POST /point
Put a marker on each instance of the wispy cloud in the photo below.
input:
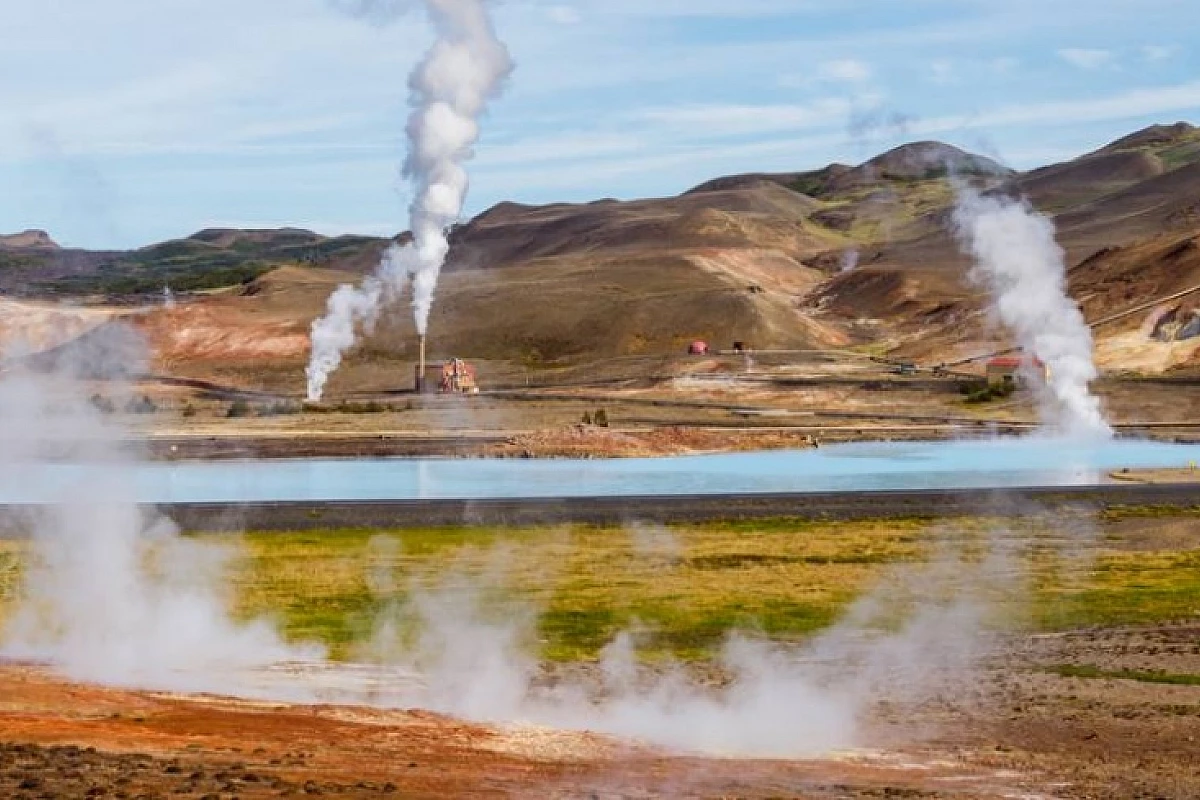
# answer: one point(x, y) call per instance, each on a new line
point(1115, 107)
point(1084, 58)
point(1157, 53)
point(722, 121)
point(942, 72)
point(850, 70)
point(1005, 65)
point(297, 111)
point(564, 15)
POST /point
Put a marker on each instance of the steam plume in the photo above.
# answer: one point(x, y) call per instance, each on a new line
point(111, 592)
point(1021, 264)
point(922, 631)
point(465, 68)
point(849, 260)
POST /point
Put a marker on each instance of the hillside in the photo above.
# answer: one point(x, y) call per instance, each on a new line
point(32, 265)
point(838, 257)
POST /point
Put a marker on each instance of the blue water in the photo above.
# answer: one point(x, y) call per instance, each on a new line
point(1031, 461)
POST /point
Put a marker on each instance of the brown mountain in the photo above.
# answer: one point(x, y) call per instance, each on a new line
point(32, 265)
point(759, 258)
point(27, 239)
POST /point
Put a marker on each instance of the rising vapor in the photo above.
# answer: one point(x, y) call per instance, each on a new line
point(1021, 264)
point(111, 592)
point(450, 89)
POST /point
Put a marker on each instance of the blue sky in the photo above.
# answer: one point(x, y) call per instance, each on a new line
point(130, 121)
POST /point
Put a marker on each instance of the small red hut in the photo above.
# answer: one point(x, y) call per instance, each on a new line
point(1004, 370)
point(698, 348)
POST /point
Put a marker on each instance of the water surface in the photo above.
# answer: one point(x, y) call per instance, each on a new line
point(1033, 461)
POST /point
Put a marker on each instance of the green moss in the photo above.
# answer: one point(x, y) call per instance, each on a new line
point(784, 578)
point(1141, 676)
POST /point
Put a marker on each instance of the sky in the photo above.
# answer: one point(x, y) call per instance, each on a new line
point(126, 122)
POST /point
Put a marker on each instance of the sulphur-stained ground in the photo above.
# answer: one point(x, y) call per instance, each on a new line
point(1036, 724)
point(1088, 689)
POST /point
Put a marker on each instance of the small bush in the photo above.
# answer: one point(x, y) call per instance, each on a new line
point(989, 393)
point(102, 404)
point(279, 409)
point(587, 418)
point(188, 411)
point(141, 405)
point(600, 418)
point(238, 408)
point(371, 407)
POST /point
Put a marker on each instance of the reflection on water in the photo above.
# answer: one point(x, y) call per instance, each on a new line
point(1034, 461)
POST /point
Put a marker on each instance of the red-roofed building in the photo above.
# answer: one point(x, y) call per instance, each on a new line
point(1012, 369)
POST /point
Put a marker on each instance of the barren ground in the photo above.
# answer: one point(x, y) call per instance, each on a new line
point(1096, 695)
point(1029, 729)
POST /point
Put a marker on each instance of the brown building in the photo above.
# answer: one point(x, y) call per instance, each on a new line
point(448, 377)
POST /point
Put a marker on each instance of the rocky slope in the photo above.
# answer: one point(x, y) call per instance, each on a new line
point(831, 258)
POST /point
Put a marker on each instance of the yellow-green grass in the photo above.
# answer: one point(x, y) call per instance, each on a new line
point(690, 585)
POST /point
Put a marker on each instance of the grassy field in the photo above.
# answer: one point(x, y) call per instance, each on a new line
point(688, 586)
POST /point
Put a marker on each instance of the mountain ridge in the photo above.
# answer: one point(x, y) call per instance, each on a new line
point(838, 257)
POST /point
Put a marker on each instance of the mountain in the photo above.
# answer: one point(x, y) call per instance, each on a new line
point(842, 256)
point(32, 265)
point(27, 239)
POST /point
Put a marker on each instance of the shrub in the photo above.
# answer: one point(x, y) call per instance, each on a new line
point(102, 404)
point(279, 409)
point(238, 408)
point(141, 405)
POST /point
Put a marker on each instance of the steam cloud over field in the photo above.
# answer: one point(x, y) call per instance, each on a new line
point(112, 593)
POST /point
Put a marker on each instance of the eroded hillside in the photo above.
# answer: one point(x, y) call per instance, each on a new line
point(841, 257)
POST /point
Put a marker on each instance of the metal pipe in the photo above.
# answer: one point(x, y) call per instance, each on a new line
point(421, 365)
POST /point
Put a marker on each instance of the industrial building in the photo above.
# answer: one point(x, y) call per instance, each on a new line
point(1012, 370)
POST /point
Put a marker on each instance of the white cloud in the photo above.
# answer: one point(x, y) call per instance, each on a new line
point(564, 15)
point(1121, 106)
point(718, 121)
point(942, 72)
point(557, 147)
point(1005, 65)
point(1084, 58)
point(1156, 53)
point(297, 112)
point(849, 70)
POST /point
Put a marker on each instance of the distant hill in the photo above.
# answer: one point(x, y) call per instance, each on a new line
point(32, 265)
point(840, 256)
point(31, 238)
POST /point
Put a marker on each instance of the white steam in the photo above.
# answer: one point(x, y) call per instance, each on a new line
point(451, 87)
point(849, 260)
point(111, 593)
point(920, 633)
point(1021, 264)
point(348, 309)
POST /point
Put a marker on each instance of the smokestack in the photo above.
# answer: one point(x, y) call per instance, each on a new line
point(421, 365)
point(466, 67)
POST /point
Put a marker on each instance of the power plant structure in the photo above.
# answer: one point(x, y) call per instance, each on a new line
point(453, 376)
point(1012, 370)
